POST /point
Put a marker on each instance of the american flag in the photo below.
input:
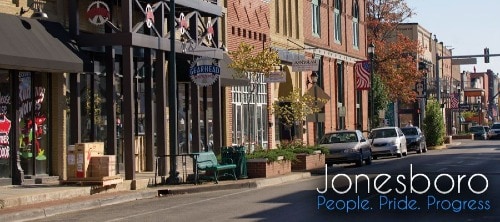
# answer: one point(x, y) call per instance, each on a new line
point(362, 70)
point(454, 100)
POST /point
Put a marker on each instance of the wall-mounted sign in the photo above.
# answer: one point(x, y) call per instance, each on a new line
point(204, 71)
point(275, 77)
point(150, 17)
point(98, 13)
point(305, 65)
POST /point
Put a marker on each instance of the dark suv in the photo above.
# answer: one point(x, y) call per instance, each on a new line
point(415, 139)
point(479, 132)
point(494, 132)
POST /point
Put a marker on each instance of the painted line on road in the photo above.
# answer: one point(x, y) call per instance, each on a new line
point(442, 169)
point(181, 205)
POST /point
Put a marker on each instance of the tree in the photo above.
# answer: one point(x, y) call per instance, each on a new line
point(395, 57)
point(433, 124)
point(294, 108)
point(251, 64)
point(248, 63)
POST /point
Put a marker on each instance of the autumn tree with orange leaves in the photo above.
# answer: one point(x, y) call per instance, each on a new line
point(396, 55)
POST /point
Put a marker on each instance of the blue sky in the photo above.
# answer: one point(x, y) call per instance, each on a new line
point(466, 26)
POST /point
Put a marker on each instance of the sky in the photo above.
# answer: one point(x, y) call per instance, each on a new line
point(466, 26)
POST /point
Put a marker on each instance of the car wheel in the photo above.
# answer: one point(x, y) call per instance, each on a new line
point(374, 157)
point(405, 153)
point(368, 161)
point(399, 155)
point(419, 148)
point(360, 161)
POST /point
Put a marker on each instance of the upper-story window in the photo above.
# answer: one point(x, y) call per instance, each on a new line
point(316, 17)
point(337, 29)
point(355, 24)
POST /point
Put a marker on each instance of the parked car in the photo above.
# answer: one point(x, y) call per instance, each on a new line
point(388, 141)
point(415, 139)
point(479, 132)
point(347, 146)
point(494, 131)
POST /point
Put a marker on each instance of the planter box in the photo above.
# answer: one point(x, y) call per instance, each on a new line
point(464, 136)
point(261, 168)
point(308, 162)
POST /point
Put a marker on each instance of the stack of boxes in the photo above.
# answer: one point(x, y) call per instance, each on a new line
point(87, 160)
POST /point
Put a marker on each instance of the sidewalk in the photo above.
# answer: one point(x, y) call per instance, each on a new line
point(30, 202)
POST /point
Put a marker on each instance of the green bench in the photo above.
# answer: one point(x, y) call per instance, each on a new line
point(207, 161)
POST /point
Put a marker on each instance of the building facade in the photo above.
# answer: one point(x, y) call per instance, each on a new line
point(335, 33)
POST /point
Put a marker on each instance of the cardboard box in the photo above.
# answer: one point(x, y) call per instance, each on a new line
point(71, 165)
point(84, 153)
point(103, 166)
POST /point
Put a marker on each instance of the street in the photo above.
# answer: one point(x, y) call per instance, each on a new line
point(457, 184)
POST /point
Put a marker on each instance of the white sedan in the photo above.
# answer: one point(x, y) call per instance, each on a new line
point(388, 141)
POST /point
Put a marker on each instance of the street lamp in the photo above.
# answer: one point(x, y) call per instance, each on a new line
point(314, 80)
point(371, 53)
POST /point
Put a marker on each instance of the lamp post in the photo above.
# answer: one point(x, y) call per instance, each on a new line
point(459, 90)
point(371, 53)
point(314, 79)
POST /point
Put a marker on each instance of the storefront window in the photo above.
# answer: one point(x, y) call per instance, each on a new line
point(33, 116)
point(5, 124)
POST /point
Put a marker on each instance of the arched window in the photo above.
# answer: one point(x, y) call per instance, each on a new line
point(337, 11)
point(355, 24)
point(316, 17)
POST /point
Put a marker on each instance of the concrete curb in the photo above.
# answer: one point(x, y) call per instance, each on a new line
point(116, 198)
point(42, 212)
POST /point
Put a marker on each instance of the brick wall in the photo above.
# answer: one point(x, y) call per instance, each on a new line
point(258, 168)
point(308, 162)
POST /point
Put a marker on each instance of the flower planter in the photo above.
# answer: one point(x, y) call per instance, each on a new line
point(257, 168)
point(308, 162)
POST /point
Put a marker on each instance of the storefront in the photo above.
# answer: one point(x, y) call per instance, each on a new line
point(32, 52)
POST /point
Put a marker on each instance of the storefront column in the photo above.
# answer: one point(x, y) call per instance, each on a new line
point(217, 117)
point(148, 118)
point(128, 95)
point(111, 103)
point(17, 171)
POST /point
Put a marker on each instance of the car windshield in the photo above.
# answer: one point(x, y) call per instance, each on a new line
point(384, 133)
point(495, 126)
point(344, 137)
point(410, 131)
point(476, 129)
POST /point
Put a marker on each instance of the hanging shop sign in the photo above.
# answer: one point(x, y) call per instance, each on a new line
point(150, 17)
point(204, 71)
point(98, 13)
point(278, 76)
point(305, 65)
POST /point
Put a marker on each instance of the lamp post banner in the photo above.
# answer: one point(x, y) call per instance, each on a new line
point(362, 70)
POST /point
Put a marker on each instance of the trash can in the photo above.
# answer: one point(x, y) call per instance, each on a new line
point(239, 157)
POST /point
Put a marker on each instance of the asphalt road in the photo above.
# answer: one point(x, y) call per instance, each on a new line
point(459, 173)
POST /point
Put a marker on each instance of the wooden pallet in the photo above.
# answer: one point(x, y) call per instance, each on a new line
point(102, 181)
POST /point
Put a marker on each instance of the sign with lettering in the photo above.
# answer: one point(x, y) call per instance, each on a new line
point(204, 71)
point(305, 65)
point(275, 77)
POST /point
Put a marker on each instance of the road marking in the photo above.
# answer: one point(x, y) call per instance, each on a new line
point(442, 169)
point(181, 205)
